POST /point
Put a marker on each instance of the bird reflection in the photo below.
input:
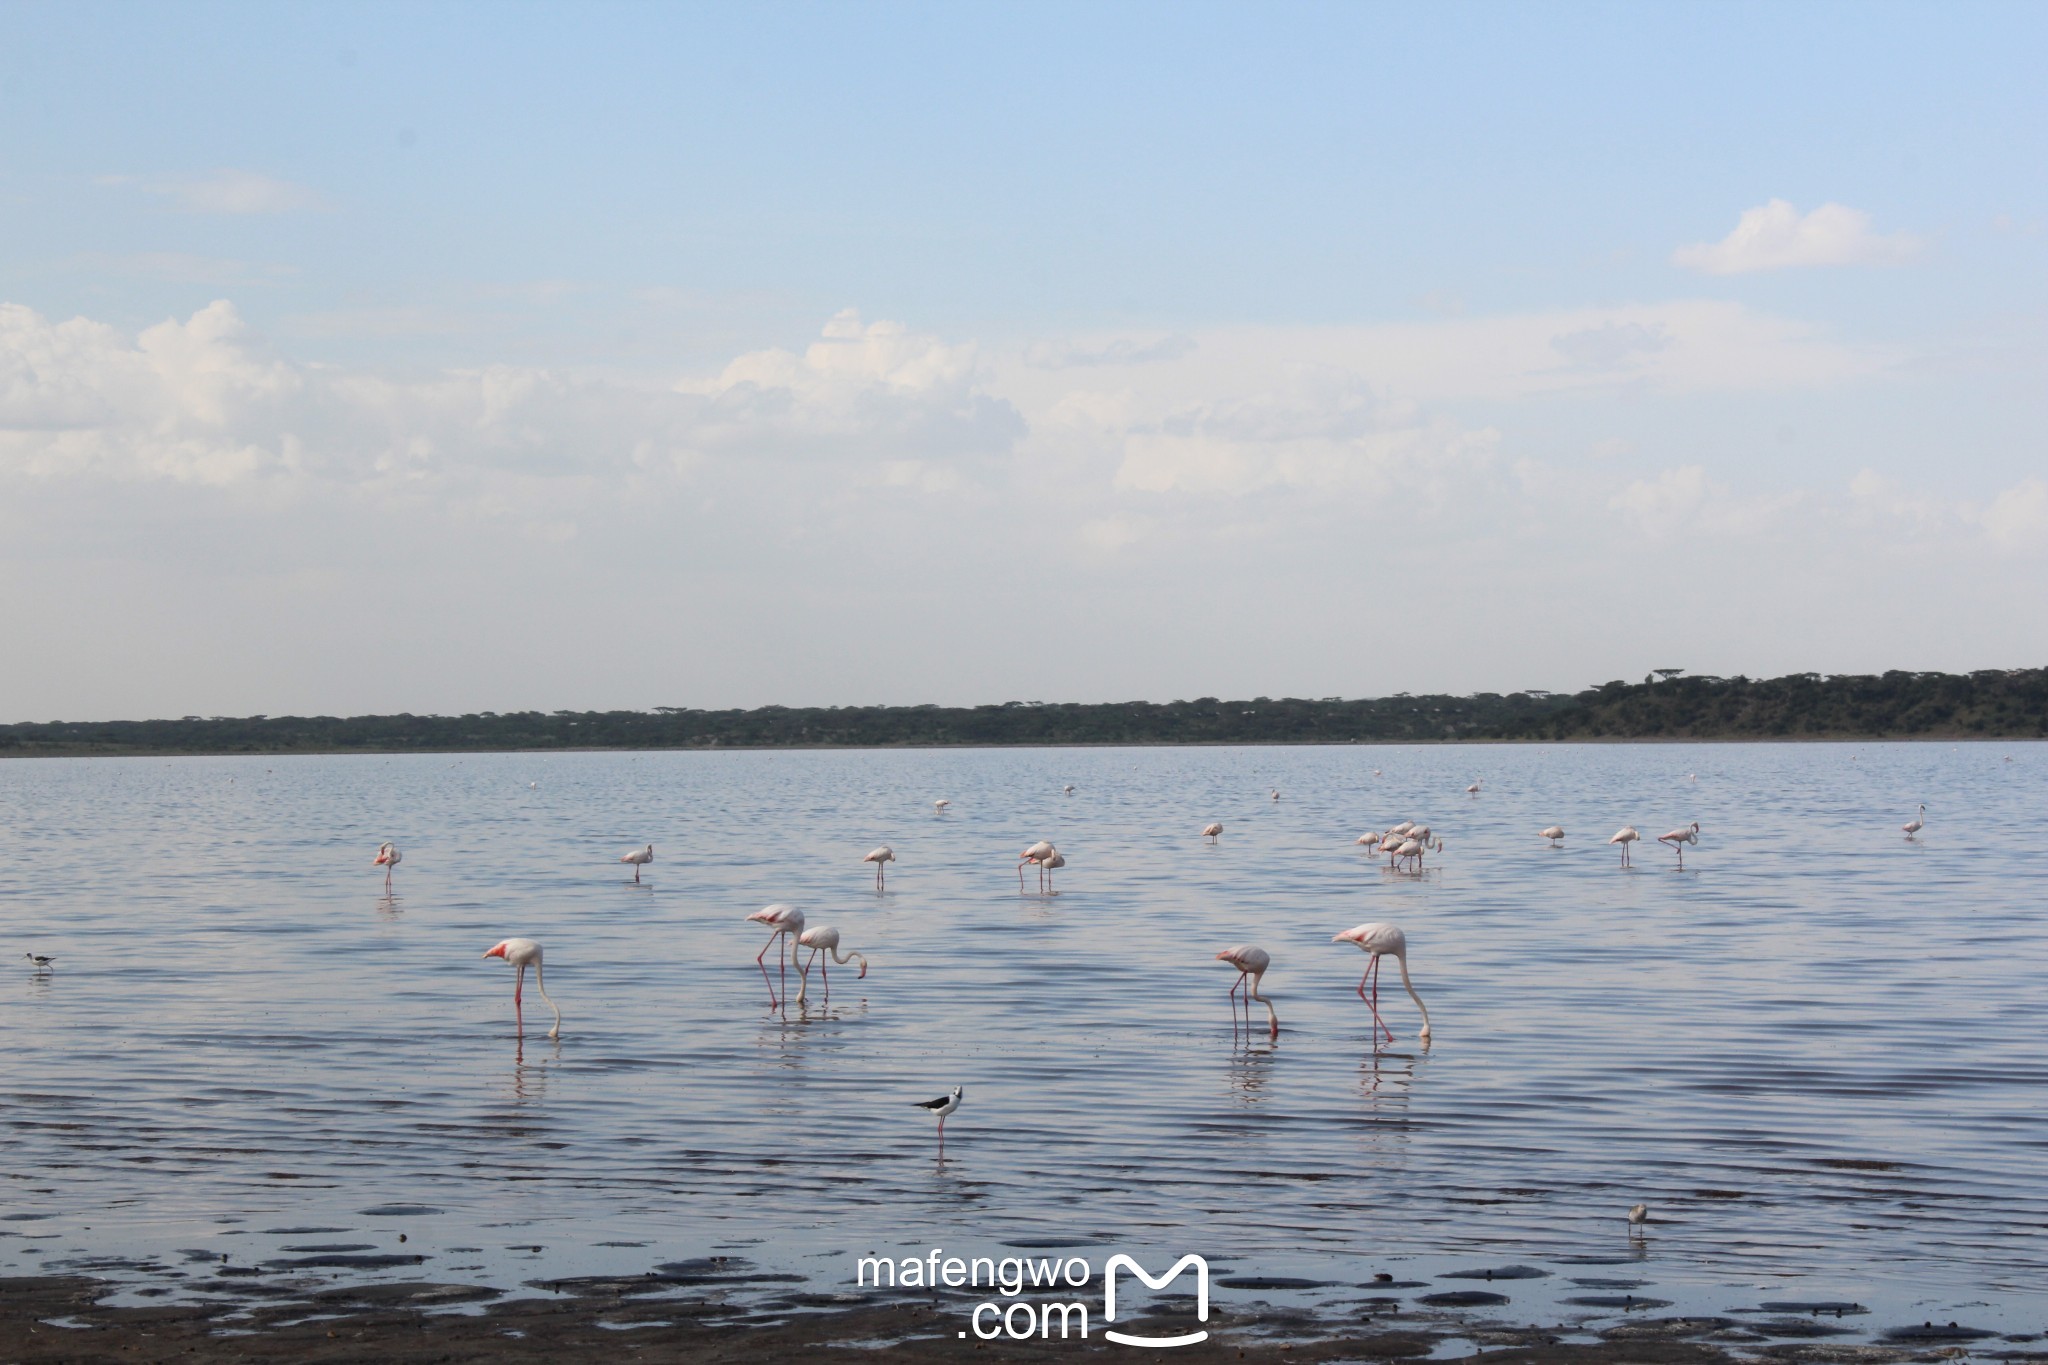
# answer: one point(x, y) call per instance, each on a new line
point(1251, 1059)
point(529, 1080)
point(389, 907)
point(1401, 1068)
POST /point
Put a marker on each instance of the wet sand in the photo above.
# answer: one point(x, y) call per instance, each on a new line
point(60, 1319)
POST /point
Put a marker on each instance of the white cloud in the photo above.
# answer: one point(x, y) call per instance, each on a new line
point(2017, 518)
point(1776, 236)
point(226, 191)
point(1685, 499)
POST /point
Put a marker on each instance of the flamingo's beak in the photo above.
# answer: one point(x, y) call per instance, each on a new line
point(498, 951)
point(1223, 957)
point(863, 972)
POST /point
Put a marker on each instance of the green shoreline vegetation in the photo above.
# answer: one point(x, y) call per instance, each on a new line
point(1667, 705)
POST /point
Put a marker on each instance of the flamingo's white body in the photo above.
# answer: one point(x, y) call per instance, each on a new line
point(782, 920)
point(879, 857)
point(1473, 790)
point(823, 939)
point(1047, 864)
point(1369, 840)
point(1679, 838)
point(639, 858)
point(1625, 836)
point(387, 858)
point(1251, 964)
point(1036, 856)
point(1212, 829)
point(1402, 828)
point(940, 805)
point(1916, 824)
point(519, 952)
point(1067, 790)
point(1554, 834)
point(1383, 940)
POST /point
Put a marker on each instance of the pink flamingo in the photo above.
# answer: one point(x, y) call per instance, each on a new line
point(1212, 829)
point(885, 855)
point(823, 939)
point(1382, 940)
point(639, 858)
point(1047, 864)
point(387, 858)
point(1036, 854)
point(1251, 964)
point(519, 952)
point(784, 920)
point(1679, 838)
point(1625, 836)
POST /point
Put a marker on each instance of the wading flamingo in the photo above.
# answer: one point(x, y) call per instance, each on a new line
point(1047, 864)
point(940, 805)
point(639, 858)
point(1473, 790)
point(1067, 790)
point(1276, 793)
point(1554, 834)
point(1916, 824)
point(1679, 838)
point(879, 857)
point(823, 939)
point(387, 858)
point(1625, 836)
point(519, 952)
point(1382, 940)
point(1251, 964)
point(1369, 840)
point(1036, 854)
point(942, 1106)
point(1212, 829)
point(783, 919)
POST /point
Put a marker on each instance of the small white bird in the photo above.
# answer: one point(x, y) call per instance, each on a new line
point(880, 856)
point(1067, 790)
point(1212, 829)
point(943, 1106)
point(1639, 1215)
point(1473, 790)
point(1625, 836)
point(1916, 824)
point(639, 858)
point(1679, 838)
point(940, 805)
point(1276, 793)
point(40, 962)
point(1554, 833)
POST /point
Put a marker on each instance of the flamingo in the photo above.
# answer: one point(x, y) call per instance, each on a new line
point(1679, 838)
point(1473, 790)
point(1382, 940)
point(1051, 861)
point(823, 939)
point(639, 858)
point(879, 858)
point(1916, 824)
point(1554, 833)
point(942, 1106)
point(387, 858)
point(1067, 790)
point(1276, 793)
point(1402, 828)
point(940, 805)
point(519, 952)
point(1625, 836)
point(1368, 840)
point(1037, 854)
point(1212, 829)
point(1251, 964)
point(783, 919)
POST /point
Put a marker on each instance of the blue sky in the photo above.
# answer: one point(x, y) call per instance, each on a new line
point(633, 355)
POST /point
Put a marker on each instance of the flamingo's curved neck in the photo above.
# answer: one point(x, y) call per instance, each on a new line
point(541, 985)
point(1272, 1015)
point(1402, 963)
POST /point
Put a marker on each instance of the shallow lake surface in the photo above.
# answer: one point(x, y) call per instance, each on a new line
point(1816, 1053)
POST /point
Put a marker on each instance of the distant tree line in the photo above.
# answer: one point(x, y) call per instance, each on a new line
point(1666, 705)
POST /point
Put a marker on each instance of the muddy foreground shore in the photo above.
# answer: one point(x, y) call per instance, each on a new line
point(61, 1319)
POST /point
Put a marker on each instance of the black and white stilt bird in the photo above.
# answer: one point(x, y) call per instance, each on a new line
point(41, 963)
point(942, 1106)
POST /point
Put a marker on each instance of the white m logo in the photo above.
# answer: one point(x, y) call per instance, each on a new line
point(1201, 1297)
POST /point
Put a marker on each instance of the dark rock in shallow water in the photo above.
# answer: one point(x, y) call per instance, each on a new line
point(1270, 1282)
point(1463, 1298)
point(1934, 1331)
point(1799, 1327)
point(399, 1211)
point(1835, 1306)
point(1627, 1302)
point(1505, 1272)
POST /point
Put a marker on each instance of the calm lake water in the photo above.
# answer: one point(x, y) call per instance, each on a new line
point(1817, 1053)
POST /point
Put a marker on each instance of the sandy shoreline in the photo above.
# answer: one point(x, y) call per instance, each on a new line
point(60, 1319)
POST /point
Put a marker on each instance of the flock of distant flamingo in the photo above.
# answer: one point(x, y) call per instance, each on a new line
point(1404, 844)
